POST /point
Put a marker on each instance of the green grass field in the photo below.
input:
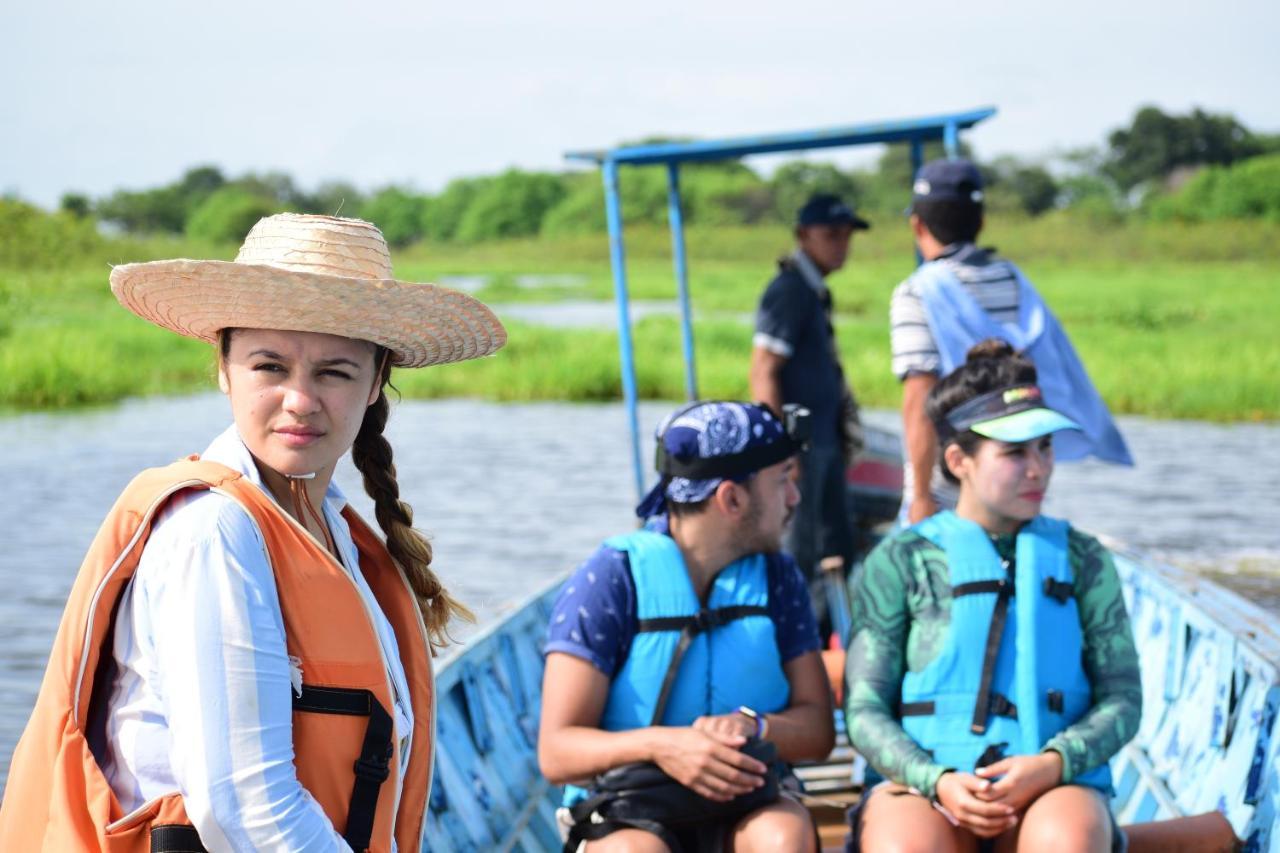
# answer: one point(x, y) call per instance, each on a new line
point(1172, 320)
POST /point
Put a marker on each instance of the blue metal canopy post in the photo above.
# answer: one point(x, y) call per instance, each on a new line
point(676, 219)
point(917, 160)
point(618, 259)
point(917, 156)
point(951, 140)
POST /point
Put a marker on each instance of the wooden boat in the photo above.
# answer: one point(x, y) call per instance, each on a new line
point(1208, 742)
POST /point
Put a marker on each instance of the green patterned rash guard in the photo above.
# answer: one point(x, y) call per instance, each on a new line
point(901, 616)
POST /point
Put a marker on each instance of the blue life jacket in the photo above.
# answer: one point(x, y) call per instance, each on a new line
point(958, 322)
point(734, 664)
point(970, 712)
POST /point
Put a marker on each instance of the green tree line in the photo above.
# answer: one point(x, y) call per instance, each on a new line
point(1189, 167)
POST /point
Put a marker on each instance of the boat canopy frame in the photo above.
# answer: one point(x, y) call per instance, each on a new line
point(914, 131)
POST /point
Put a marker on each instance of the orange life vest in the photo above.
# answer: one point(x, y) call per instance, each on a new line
point(57, 798)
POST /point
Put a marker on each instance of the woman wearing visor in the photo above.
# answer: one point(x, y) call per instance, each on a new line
point(992, 672)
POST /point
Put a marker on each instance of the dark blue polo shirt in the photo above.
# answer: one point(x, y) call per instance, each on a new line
point(793, 322)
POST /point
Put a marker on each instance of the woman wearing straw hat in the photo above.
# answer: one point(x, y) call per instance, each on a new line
point(243, 663)
point(992, 672)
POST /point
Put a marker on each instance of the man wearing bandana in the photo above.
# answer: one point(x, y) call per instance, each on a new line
point(703, 584)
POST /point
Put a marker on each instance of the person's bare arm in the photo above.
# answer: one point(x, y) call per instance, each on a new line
point(572, 747)
point(766, 378)
point(804, 730)
point(921, 443)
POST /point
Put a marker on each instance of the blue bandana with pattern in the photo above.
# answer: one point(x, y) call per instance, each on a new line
point(705, 431)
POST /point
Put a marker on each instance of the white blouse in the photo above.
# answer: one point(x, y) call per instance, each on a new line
point(201, 699)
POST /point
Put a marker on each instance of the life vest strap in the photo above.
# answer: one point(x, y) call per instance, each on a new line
point(689, 627)
point(995, 633)
point(999, 587)
point(334, 700)
point(999, 706)
point(703, 620)
point(373, 767)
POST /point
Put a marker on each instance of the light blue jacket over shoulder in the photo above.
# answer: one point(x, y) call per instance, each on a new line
point(958, 322)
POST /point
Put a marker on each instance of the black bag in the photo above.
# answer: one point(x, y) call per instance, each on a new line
point(642, 796)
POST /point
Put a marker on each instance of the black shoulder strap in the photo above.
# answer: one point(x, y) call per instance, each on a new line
point(372, 767)
point(1004, 591)
point(690, 627)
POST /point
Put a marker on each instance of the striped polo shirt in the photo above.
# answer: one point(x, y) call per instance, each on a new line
point(991, 281)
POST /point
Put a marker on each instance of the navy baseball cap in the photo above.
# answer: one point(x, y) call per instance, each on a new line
point(948, 180)
point(828, 209)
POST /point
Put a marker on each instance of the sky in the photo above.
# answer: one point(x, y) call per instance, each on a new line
point(95, 97)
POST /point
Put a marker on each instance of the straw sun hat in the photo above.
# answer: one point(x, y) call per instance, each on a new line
point(312, 274)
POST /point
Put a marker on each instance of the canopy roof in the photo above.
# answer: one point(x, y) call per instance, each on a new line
point(902, 130)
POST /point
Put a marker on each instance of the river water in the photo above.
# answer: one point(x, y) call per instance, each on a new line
point(513, 495)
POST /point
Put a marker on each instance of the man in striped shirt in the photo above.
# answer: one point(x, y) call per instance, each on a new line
point(946, 216)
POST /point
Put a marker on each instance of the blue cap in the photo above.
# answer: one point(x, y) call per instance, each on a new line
point(712, 442)
point(828, 209)
point(948, 180)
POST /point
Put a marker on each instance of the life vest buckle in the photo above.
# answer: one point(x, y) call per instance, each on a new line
point(1059, 591)
point(993, 753)
point(375, 768)
point(1002, 707)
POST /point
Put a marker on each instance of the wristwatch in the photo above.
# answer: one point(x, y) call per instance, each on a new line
point(762, 724)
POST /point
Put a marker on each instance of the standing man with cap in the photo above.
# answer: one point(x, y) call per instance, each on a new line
point(963, 294)
point(794, 359)
point(691, 645)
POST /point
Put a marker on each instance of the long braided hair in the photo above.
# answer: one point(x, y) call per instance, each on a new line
point(371, 454)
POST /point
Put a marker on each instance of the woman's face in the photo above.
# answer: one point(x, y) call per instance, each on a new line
point(1002, 484)
point(298, 398)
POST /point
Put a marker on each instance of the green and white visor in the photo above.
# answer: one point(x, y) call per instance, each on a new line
point(1013, 414)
